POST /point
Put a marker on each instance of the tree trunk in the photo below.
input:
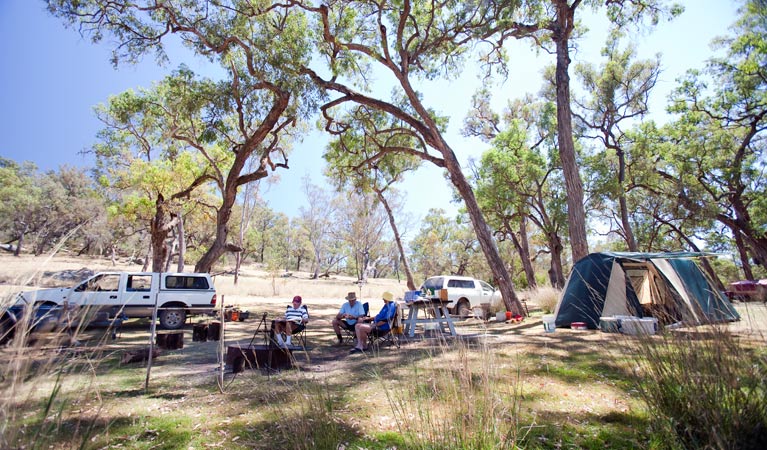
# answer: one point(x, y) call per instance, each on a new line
point(556, 271)
point(181, 244)
point(628, 232)
point(23, 232)
point(484, 236)
point(576, 215)
point(159, 228)
point(743, 254)
point(398, 240)
point(523, 248)
point(218, 247)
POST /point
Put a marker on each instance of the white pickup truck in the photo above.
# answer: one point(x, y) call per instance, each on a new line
point(128, 295)
point(463, 293)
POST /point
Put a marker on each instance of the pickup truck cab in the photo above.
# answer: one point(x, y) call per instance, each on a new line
point(126, 295)
point(463, 293)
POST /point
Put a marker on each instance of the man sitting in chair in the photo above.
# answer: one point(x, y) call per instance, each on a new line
point(348, 315)
point(295, 316)
point(380, 323)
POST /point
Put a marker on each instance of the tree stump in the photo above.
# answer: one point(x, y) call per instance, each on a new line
point(170, 340)
point(200, 332)
point(214, 330)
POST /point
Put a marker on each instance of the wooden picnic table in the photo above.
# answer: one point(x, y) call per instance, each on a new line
point(418, 314)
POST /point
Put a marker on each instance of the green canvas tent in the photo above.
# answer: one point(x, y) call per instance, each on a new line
point(668, 286)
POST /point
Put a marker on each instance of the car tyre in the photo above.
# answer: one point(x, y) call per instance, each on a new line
point(462, 309)
point(172, 318)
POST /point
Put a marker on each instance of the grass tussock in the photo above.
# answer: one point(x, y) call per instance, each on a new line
point(545, 298)
point(458, 398)
point(703, 389)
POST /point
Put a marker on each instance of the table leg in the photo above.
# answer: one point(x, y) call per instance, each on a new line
point(446, 319)
point(412, 315)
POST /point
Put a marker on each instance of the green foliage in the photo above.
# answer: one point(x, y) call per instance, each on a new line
point(446, 246)
point(41, 210)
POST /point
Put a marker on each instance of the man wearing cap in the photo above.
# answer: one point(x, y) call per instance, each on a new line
point(348, 315)
point(295, 316)
point(379, 322)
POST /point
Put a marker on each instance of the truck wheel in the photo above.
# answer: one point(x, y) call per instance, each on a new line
point(462, 309)
point(173, 318)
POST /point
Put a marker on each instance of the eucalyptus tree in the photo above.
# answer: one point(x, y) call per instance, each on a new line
point(71, 205)
point(517, 179)
point(259, 100)
point(408, 42)
point(618, 93)
point(552, 26)
point(21, 205)
point(360, 222)
point(364, 158)
point(316, 220)
point(716, 161)
point(431, 252)
point(153, 177)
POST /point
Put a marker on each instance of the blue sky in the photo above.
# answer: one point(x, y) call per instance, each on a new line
point(51, 78)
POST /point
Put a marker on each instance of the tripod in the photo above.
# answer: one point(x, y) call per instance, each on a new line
point(264, 328)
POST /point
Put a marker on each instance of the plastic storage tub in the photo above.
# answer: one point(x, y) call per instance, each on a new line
point(609, 324)
point(637, 326)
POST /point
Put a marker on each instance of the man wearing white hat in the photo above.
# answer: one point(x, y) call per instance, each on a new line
point(379, 322)
point(348, 315)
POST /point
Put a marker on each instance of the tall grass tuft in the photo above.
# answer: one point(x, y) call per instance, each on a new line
point(459, 399)
point(42, 375)
point(306, 415)
point(704, 389)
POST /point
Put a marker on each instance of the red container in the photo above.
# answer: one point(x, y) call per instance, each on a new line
point(578, 326)
point(508, 315)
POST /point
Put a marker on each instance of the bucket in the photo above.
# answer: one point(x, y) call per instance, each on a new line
point(549, 323)
point(235, 315)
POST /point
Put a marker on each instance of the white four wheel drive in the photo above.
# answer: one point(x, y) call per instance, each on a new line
point(134, 295)
point(463, 293)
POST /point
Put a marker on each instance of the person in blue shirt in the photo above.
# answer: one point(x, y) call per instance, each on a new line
point(380, 322)
point(348, 315)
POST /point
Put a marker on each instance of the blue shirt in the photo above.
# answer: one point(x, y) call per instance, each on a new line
point(386, 314)
point(357, 311)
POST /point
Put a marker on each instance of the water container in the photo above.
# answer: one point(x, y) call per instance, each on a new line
point(549, 323)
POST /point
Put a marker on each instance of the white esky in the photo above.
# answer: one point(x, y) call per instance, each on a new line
point(51, 78)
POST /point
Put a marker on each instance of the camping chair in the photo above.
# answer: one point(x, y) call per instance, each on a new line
point(349, 333)
point(390, 336)
point(300, 332)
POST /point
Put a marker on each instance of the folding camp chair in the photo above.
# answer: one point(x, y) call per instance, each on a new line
point(349, 334)
point(300, 332)
point(390, 336)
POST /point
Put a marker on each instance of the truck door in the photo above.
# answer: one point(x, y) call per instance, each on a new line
point(137, 300)
point(487, 291)
point(97, 293)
